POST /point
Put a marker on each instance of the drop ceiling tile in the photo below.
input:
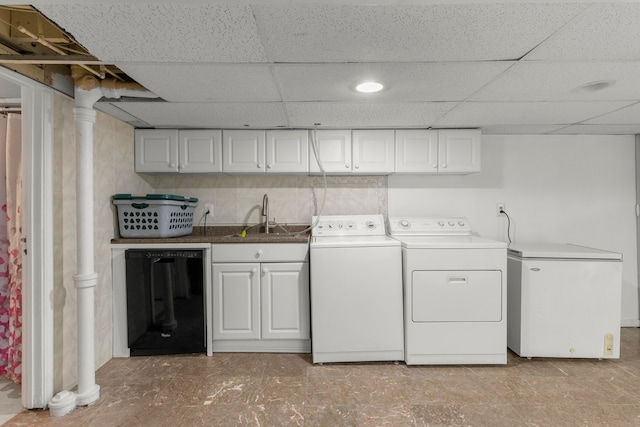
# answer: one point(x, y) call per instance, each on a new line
point(114, 110)
point(365, 114)
point(451, 81)
point(557, 81)
point(206, 82)
point(165, 114)
point(520, 129)
point(161, 32)
point(604, 31)
point(599, 130)
point(624, 116)
point(479, 114)
point(441, 32)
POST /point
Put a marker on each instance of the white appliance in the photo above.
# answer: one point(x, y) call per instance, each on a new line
point(564, 301)
point(454, 292)
point(356, 290)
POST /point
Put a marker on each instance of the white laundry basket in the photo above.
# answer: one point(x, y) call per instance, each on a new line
point(155, 215)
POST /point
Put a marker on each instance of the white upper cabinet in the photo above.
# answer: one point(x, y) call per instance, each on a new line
point(459, 151)
point(199, 151)
point(287, 151)
point(358, 151)
point(156, 150)
point(334, 149)
point(273, 151)
point(184, 151)
point(373, 151)
point(437, 151)
point(416, 151)
point(243, 151)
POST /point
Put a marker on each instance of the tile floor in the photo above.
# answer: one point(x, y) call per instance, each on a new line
point(242, 389)
point(10, 400)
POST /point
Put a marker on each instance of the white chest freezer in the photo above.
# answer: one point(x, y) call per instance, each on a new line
point(563, 301)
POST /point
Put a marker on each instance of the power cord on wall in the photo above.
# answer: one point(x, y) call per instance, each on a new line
point(204, 216)
point(316, 152)
point(502, 211)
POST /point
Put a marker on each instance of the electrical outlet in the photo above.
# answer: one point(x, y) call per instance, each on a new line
point(499, 208)
point(209, 208)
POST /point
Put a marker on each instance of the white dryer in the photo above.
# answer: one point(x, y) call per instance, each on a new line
point(454, 292)
point(356, 290)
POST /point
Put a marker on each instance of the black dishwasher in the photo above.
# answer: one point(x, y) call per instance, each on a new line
point(165, 301)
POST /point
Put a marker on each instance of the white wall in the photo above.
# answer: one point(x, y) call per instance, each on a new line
point(565, 188)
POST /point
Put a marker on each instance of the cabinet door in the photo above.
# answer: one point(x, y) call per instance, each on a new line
point(285, 301)
point(200, 151)
point(156, 150)
point(243, 151)
point(287, 151)
point(373, 151)
point(334, 149)
point(416, 151)
point(236, 301)
point(459, 151)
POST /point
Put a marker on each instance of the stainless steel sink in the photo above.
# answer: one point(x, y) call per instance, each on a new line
point(264, 235)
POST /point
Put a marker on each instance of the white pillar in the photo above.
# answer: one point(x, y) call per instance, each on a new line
point(88, 91)
point(86, 279)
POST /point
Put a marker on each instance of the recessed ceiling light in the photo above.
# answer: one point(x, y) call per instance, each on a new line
point(369, 87)
point(594, 86)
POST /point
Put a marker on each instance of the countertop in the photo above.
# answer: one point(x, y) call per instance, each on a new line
point(228, 234)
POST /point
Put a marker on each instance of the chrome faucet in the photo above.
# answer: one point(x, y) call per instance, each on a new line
point(265, 212)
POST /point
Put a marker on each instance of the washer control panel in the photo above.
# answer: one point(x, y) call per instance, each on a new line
point(419, 226)
point(348, 225)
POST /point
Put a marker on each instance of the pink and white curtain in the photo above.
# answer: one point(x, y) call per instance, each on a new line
point(10, 247)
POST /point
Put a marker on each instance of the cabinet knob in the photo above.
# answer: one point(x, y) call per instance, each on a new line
point(434, 165)
point(259, 253)
point(254, 271)
point(269, 166)
point(172, 165)
point(346, 166)
point(180, 167)
point(259, 166)
point(265, 270)
point(444, 165)
point(357, 167)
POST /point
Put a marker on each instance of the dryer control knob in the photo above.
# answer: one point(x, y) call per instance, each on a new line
point(403, 223)
point(370, 225)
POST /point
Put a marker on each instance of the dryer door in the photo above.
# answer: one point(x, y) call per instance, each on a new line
point(456, 296)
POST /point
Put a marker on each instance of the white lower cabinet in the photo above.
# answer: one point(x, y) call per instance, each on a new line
point(260, 306)
point(236, 301)
point(284, 292)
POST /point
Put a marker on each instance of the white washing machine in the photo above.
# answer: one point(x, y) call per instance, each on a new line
point(564, 301)
point(356, 290)
point(454, 292)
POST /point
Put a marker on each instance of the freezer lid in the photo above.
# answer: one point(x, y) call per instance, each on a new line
point(560, 251)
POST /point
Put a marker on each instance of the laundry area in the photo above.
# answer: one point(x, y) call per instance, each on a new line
point(329, 213)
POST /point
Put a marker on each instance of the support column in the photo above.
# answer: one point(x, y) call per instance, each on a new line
point(86, 279)
point(88, 91)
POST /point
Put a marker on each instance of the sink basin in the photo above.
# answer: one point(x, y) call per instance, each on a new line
point(264, 235)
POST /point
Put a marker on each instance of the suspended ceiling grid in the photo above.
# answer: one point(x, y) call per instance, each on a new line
point(503, 67)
